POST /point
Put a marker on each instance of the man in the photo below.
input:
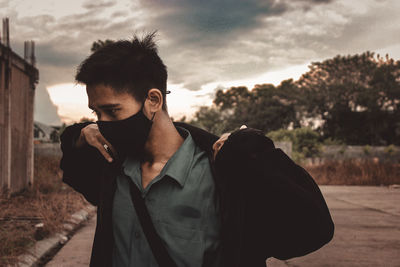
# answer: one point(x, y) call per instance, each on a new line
point(183, 174)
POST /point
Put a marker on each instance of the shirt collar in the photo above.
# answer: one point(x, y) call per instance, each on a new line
point(177, 167)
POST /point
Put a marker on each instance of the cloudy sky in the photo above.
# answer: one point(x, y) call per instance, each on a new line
point(205, 44)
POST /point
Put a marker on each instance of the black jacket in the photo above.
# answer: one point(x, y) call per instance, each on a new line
point(270, 206)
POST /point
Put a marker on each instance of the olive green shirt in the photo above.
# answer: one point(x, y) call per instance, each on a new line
point(180, 201)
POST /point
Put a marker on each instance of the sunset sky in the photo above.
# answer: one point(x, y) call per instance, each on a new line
point(206, 45)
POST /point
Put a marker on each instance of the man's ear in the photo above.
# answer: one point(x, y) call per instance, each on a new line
point(154, 101)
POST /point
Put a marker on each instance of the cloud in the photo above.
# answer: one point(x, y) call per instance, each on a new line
point(213, 41)
point(4, 3)
point(45, 111)
point(201, 41)
point(371, 29)
point(199, 34)
point(195, 22)
point(312, 2)
point(117, 14)
point(63, 42)
point(217, 40)
point(231, 40)
point(49, 54)
point(99, 4)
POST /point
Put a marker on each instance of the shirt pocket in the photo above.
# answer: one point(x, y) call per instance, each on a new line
point(185, 245)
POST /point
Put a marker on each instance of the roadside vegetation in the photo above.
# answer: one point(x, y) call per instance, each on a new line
point(48, 201)
point(308, 144)
point(355, 172)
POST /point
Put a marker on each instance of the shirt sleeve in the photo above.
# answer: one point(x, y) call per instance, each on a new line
point(80, 165)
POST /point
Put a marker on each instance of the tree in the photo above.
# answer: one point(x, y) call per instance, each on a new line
point(265, 107)
point(210, 119)
point(305, 141)
point(357, 97)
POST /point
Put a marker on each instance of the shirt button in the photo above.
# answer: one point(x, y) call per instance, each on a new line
point(137, 234)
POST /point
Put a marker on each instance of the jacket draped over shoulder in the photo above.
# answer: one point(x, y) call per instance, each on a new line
point(277, 207)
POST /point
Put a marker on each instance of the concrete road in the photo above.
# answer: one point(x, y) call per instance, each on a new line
point(367, 229)
point(367, 233)
point(76, 253)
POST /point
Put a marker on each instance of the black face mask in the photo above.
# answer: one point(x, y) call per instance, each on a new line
point(127, 136)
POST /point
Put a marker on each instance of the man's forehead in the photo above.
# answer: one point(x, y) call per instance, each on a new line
point(99, 96)
point(102, 96)
point(100, 88)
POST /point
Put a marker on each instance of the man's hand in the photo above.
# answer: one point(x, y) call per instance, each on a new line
point(91, 135)
point(220, 142)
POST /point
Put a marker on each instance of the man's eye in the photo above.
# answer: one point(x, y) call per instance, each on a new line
point(112, 111)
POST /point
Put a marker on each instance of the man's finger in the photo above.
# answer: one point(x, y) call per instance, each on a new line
point(110, 149)
point(103, 151)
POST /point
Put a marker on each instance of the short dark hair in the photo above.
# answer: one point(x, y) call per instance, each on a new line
point(131, 66)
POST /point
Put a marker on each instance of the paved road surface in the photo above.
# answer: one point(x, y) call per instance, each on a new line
point(76, 253)
point(367, 221)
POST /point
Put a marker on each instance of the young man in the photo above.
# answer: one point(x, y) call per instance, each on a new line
point(191, 191)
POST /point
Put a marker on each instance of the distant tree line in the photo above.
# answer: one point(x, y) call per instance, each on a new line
point(350, 99)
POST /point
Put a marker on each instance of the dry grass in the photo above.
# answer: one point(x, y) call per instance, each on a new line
point(356, 172)
point(48, 201)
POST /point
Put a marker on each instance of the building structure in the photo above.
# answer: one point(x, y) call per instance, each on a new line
point(18, 77)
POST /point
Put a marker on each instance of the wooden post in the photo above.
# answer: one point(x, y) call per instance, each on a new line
point(32, 54)
point(7, 118)
point(6, 32)
point(26, 50)
point(29, 52)
point(30, 106)
point(7, 103)
point(3, 156)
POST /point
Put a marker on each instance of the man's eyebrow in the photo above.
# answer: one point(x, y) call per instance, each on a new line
point(106, 106)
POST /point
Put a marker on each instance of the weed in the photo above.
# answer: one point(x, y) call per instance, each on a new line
point(390, 150)
point(367, 149)
point(355, 172)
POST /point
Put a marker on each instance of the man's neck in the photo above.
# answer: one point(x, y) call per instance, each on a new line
point(164, 140)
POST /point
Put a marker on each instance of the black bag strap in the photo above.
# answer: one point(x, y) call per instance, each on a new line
point(157, 247)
